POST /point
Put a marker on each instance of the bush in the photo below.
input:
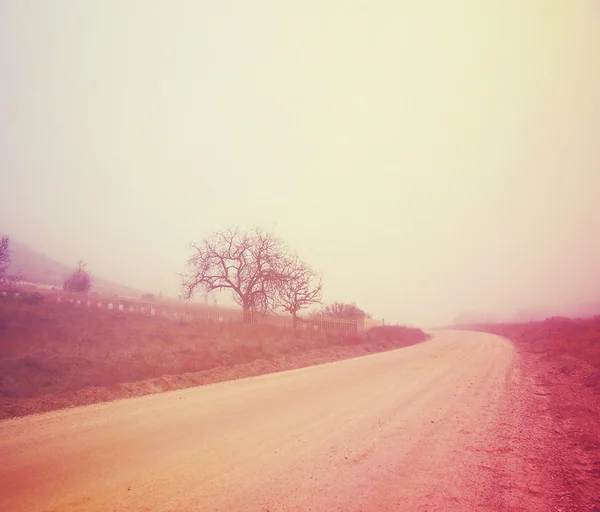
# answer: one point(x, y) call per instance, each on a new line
point(397, 333)
point(79, 281)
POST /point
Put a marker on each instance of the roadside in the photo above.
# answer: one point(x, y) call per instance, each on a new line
point(57, 356)
point(550, 420)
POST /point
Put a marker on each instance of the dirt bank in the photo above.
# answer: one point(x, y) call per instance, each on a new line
point(554, 436)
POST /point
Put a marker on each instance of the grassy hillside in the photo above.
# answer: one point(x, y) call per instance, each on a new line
point(38, 268)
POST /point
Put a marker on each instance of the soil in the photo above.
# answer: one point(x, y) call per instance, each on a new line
point(550, 421)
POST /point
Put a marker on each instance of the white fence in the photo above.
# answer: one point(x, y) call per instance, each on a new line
point(202, 312)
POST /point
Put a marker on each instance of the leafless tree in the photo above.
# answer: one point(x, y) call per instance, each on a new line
point(80, 279)
point(344, 310)
point(301, 287)
point(250, 264)
point(4, 254)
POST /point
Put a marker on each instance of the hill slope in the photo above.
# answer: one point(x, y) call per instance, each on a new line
point(38, 268)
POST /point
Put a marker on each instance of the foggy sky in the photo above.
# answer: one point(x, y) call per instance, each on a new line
point(427, 157)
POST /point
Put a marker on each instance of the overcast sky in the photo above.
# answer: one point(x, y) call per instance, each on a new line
point(429, 157)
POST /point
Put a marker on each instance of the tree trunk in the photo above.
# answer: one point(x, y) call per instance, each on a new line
point(247, 315)
point(295, 321)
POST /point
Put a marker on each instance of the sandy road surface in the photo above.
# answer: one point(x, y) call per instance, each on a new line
point(400, 430)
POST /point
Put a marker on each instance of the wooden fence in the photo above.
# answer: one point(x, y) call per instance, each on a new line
point(201, 312)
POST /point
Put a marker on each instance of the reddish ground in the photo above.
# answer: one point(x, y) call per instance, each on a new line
point(559, 360)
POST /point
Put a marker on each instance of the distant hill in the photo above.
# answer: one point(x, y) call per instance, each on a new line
point(38, 268)
point(584, 310)
point(578, 310)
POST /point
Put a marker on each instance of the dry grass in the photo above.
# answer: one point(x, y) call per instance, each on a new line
point(579, 337)
point(563, 358)
point(558, 339)
point(52, 348)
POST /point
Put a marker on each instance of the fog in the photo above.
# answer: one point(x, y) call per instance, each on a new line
point(429, 158)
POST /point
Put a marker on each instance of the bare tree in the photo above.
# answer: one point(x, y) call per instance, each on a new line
point(344, 310)
point(80, 279)
point(250, 264)
point(301, 287)
point(4, 254)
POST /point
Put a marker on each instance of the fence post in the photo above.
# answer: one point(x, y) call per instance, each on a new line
point(360, 325)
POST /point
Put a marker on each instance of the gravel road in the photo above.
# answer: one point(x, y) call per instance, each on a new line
point(407, 430)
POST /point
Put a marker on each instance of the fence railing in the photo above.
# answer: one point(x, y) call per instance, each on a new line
point(218, 314)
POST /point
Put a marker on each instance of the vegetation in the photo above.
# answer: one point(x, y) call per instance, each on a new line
point(12, 281)
point(49, 348)
point(80, 280)
point(343, 310)
point(556, 338)
point(4, 255)
point(258, 269)
point(300, 288)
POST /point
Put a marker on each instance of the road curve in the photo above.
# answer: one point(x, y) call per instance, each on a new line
point(400, 430)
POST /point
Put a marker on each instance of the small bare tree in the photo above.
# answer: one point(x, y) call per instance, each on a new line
point(300, 288)
point(80, 280)
point(4, 254)
point(250, 264)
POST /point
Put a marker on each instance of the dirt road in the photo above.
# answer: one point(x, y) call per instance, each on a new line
point(411, 429)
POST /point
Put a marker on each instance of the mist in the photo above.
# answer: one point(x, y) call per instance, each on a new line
point(429, 158)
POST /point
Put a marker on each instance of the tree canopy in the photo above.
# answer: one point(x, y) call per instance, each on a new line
point(300, 288)
point(343, 310)
point(250, 264)
point(258, 268)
